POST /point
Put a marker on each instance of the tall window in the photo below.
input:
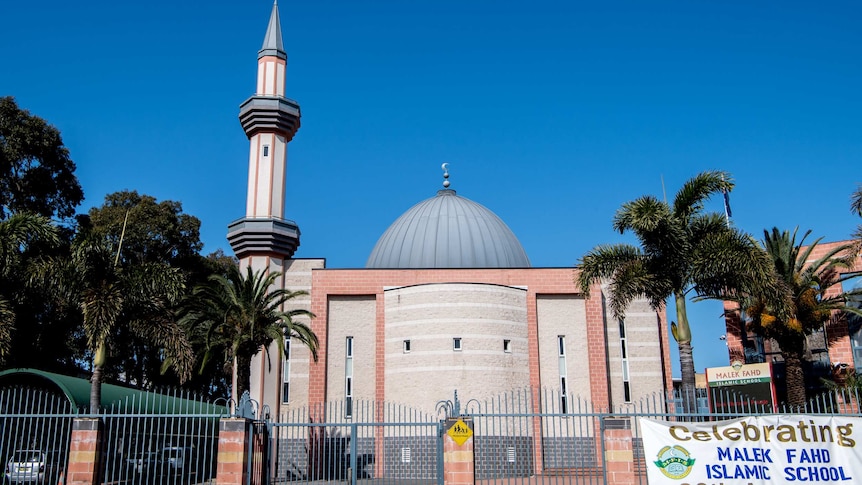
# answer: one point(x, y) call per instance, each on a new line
point(564, 384)
point(456, 344)
point(266, 150)
point(285, 373)
point(624, 353)
point(348, 377)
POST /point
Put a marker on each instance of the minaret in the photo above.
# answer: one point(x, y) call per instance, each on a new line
point(264, 239)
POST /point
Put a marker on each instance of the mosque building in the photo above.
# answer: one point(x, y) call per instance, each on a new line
point(447, 300)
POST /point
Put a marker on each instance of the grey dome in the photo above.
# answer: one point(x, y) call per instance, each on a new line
point(448, 231)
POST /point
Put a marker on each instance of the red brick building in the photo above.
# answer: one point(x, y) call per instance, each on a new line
point(837, 346)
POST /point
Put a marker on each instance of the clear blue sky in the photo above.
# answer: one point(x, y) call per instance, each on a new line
point(551, 114)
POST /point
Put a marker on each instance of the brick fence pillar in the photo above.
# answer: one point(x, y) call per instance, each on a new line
point(84, 452)
point(619, 453)
point(233, 438)
point(458, 460)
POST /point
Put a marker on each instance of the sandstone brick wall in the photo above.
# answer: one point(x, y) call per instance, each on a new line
point(430, 316)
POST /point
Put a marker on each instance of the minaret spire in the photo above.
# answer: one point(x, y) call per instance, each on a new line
point(272, 44)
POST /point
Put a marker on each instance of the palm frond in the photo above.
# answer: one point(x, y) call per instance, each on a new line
point(635, 280)
point(303, 333)
point(695, 191)
point(146, 283)
point(856, 201)
point(706, 224)
point(7, 325)
point(19, 231)
point(726, 261)
point(602, 262)
point(643, 214)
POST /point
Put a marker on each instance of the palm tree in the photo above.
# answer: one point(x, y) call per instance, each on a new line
point(809, 285)
point(16, 235)
point(682, 251)
point(236, 315)
point(856, 207)
point(111, 294)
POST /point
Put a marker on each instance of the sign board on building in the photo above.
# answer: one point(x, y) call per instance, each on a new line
point(740, 385)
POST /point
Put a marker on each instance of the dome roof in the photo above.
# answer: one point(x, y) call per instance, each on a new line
point(448, 231)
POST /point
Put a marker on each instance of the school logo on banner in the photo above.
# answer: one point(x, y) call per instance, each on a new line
point(674, 462)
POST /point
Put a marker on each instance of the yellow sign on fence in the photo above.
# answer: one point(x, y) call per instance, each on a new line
point(460, 432)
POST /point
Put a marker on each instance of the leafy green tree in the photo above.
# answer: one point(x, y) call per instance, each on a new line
point(812, 286)
point(36, 174)
point(37, 178)
point(151, 230)
point(683, 251)
point(17, 233)
point(237, 314)
point(112, 296)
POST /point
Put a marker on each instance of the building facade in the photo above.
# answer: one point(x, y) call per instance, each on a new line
point(830, 352)
point(447, 300)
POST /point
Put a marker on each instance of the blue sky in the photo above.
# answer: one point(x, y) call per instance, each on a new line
point(551, 114)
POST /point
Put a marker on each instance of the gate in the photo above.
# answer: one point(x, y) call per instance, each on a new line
point(528, 437)
point(359, 442)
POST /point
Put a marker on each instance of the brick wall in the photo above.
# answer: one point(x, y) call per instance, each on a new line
point(328, 283)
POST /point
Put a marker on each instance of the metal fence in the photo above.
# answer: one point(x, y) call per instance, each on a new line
point(164, 438)
point(523, 437)
point(35, 428)
point(147, 438)
point(358, 442)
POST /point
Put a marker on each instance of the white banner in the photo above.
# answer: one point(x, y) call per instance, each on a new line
point(797, 449)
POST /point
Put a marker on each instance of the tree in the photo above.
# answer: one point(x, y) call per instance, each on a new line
point(812, 286)
point(112, 296)
point(152, 232)
point(17, 234)
point(682, 251)
point(36, 173)
point(237, 314)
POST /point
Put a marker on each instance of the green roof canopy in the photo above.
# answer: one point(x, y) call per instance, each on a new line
point(124, 399)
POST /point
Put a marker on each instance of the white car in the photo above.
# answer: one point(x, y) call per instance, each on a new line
point(32, 466)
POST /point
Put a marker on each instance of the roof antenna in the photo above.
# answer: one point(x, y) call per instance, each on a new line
point(445, 168)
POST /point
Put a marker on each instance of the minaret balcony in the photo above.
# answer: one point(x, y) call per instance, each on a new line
point(263, 235)
point(272, 114)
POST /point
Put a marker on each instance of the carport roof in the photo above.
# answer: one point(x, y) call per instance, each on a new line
point(77, 391)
